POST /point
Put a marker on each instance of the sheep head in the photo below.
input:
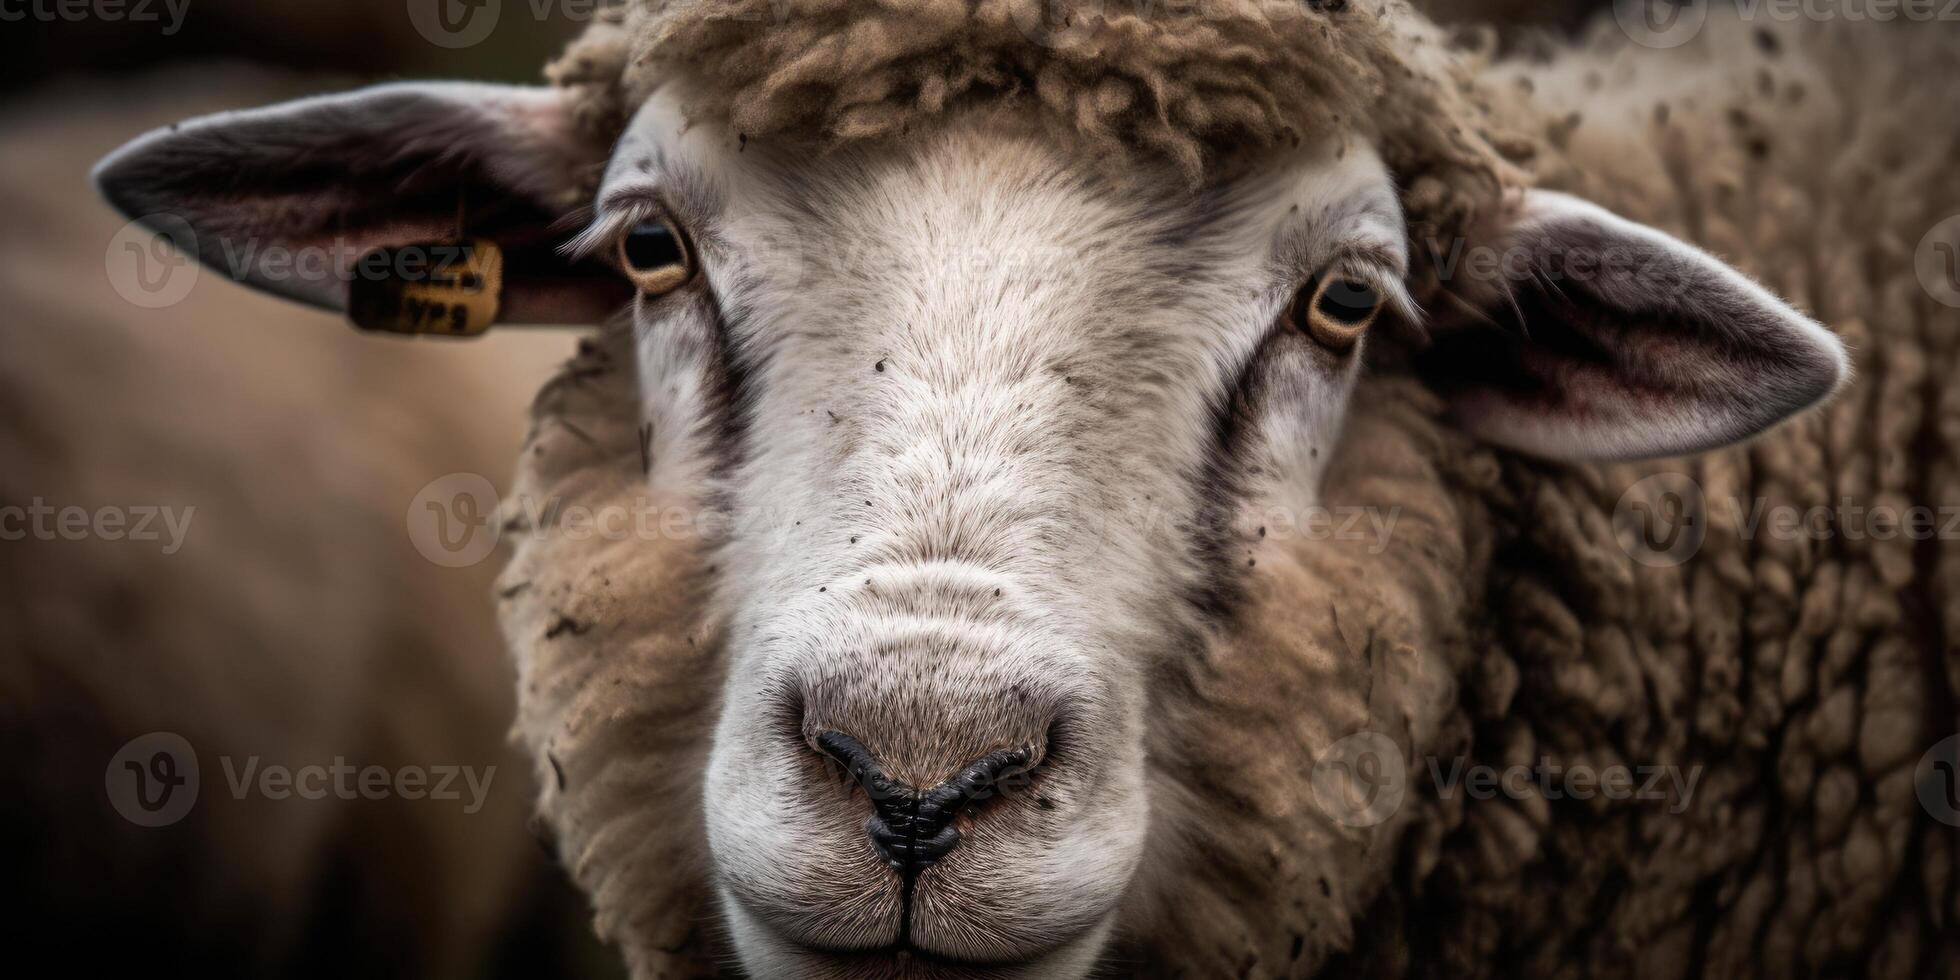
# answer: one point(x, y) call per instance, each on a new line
point(1006, 577)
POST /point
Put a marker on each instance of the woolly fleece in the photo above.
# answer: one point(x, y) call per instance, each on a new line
point(1503, 623)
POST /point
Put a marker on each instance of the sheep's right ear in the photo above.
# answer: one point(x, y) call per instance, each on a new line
point(292, 198)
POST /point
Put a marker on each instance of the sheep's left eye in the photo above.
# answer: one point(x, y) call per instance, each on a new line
point(657, 258)
point(1335, 312)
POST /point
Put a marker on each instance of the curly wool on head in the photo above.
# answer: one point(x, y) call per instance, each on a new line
point(1208, 86)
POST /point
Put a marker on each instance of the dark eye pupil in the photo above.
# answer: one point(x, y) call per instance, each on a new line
point(653, 246)
point(1346, 301)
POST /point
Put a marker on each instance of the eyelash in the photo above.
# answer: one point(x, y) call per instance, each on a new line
point(620, 212)
point(612, 238)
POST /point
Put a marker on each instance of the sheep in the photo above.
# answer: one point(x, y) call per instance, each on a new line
point(883, 612)
point(280, 613)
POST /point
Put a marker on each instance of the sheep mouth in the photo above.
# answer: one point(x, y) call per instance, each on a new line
point(899, 959)
point(905, 961)
point(905, 950)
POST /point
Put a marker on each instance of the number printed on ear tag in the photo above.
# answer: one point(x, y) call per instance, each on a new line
point(450, 289)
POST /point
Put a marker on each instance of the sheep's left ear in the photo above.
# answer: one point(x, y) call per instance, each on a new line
point(292, 198)
point(1577, 334)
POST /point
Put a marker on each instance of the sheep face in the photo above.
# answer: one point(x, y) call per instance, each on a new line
point(992, 432)
point(973, 415)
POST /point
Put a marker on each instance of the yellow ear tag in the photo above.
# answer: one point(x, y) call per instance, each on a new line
point(450, 289)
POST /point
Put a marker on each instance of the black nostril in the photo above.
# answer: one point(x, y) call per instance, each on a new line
point(912, 830)
point(863, 769)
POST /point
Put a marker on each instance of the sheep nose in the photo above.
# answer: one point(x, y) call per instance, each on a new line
point(910, 828)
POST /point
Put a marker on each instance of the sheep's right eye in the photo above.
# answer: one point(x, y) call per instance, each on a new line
point(656, 257)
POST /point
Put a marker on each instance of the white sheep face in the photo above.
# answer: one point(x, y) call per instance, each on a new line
point(988, 414)
point(984, 406)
